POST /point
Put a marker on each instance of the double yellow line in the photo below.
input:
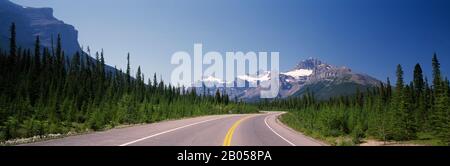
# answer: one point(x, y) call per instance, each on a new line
point(229, 136)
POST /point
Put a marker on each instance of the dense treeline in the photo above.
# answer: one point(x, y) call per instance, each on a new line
point(403, 112)
point(43, 92)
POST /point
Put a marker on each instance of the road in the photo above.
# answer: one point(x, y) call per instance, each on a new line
point(219, 130)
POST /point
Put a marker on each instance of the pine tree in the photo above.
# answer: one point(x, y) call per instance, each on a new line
point(444, 131)
point(97, 63)
point(12, 42)
point(37, 53)
point(128, 70)
point(218, 96)
point(102, 63)
point(437, 79)
point(428, 101)
point(139, 74)
point(155, 81)
point(418, 80)
point(382, 92)
point(402, 125)
point(139, 84)
point(59, 50)
point(418, 101)
point(440, 117)
point(400, 83)
point(388, 89)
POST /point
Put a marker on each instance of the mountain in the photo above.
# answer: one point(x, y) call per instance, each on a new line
point(31, 22)
point(322, 79)
point(328, 81)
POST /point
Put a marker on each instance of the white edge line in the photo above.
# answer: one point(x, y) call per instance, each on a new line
point(265, 121)
point(168, 131)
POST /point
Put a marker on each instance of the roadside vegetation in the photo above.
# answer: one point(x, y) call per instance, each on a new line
point(42, 92)
point(414, 113)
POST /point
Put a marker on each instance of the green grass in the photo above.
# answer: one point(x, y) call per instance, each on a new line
point(426, 139)
point(291, 120)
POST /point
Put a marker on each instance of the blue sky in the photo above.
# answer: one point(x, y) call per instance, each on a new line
point(369, 36)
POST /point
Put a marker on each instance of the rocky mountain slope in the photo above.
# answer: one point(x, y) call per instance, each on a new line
point(322, 79)
point(31, 22)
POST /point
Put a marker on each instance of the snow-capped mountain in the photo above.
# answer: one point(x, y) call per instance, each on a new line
point(299, 73)
point(322, 79)
point(265, 76)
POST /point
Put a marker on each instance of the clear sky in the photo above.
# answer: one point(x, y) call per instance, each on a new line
point(369, 36)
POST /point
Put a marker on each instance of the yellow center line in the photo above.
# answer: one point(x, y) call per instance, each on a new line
point(229, 136)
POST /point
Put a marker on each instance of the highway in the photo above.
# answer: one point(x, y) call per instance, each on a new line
point(262, 129)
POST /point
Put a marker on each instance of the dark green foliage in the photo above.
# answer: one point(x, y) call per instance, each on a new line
point(12, 42)
point(327, 89)
point(403, 125)
point(418, 80)
point(384, 112)
point(44, 93)
point(440, 117)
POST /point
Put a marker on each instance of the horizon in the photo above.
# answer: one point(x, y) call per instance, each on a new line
point(370, 38)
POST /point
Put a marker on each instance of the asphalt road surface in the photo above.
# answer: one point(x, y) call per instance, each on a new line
point(219, 130)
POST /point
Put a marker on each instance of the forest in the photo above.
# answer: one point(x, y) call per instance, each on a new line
point(44, 92)
point(404, 112)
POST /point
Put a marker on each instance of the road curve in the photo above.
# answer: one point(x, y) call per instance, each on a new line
point(219, 130)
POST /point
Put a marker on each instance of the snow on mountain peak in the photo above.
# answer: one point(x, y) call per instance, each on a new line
point(213, 79)
point(265, 77)
point(299, 73)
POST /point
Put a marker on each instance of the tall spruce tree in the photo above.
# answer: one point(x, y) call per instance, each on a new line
point(437, 79)
point(102, 63)
point(128, 70)
point(37, 53)
point(402, 125)
point(418, 102)
point(418, 80)
point(400, 83)
point(12, 42)
point(388, 89)
point(440, 117)
point(58, 49)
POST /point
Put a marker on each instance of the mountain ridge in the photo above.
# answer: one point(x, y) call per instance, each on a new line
point(31, 22)
point(323, 79)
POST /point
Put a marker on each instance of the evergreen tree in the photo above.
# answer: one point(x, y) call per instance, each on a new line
point(218, 96)
point(437, 79)
point(12, 42)
point(418, 80)
point(139, 74)
point(102, 63)
point(155, 81)
point(388, 89)
point(50, 99)
point(128, 70)
point(381, 112)
point(37, 53)
point(59, 56)
point(440, 117)
point(400, 83)
point(418, 102)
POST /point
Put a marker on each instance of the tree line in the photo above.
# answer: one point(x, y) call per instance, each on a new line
point(42, 92)
point(402, 112)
